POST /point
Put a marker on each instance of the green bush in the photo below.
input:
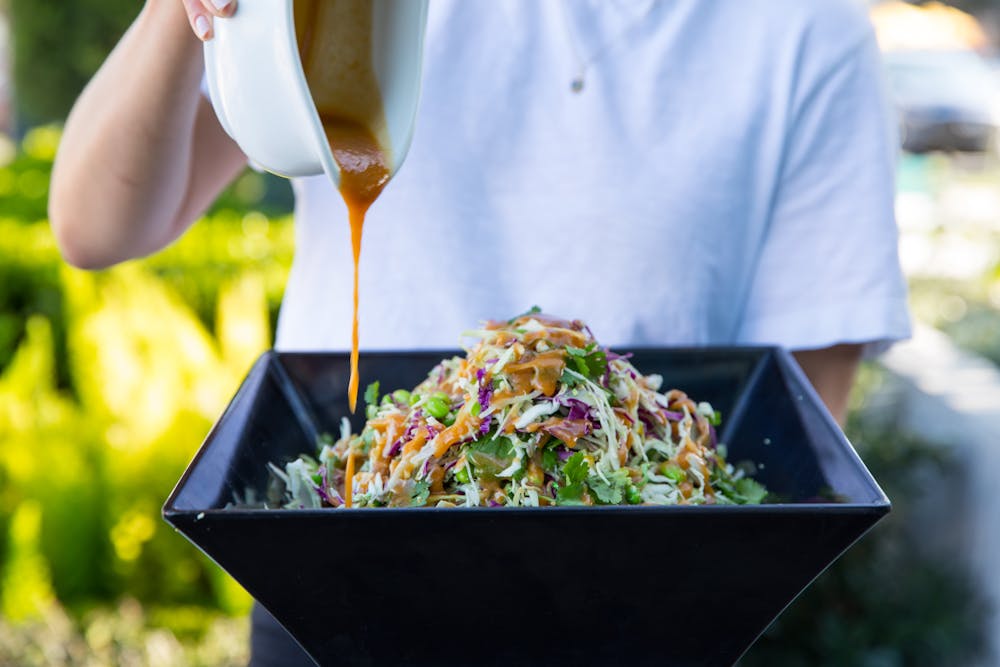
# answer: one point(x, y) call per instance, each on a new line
point(108, 383)
point(95, 466)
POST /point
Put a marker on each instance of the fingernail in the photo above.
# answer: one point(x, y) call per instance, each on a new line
point(221, 4)
point(202, 27)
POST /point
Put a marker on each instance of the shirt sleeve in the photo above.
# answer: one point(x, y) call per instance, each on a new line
point(828, 269)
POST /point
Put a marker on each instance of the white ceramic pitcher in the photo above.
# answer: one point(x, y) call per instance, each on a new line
point(258, 86)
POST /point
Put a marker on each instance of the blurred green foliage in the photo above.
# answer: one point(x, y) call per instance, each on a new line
point(237, 235)
point(108, 383)
point(968, 311)
point(58, 45)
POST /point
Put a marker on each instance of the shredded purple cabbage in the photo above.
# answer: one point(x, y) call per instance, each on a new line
point(485, 395)
point(577, 408)
point(647, 421)
point(322, 494)
point(414, 423)
point(396, 446)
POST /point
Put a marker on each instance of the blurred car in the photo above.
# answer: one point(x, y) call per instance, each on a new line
point(945, 99)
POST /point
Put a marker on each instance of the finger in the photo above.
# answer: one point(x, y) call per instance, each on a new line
point(199, 18)
point(220, 8)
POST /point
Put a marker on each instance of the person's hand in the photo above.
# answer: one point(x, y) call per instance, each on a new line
point(202, 13)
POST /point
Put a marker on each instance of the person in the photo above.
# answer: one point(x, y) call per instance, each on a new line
point(673, 173)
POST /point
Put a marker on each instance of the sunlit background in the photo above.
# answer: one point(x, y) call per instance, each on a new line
point(109, 381)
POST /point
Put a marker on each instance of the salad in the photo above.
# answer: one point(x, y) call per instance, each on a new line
point(535, 414)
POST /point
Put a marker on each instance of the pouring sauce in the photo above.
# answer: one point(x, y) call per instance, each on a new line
point(335, 45)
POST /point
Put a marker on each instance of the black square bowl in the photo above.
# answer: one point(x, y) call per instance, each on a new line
point(529, 586)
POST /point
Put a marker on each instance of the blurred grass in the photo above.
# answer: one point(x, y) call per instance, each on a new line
point(126, 634)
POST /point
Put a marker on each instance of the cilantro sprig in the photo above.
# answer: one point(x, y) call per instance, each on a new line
point(421, 492)
point(590, 362)
point(574, 486)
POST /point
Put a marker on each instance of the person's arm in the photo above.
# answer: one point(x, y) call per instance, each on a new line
point(142, 153)
point(832, 371)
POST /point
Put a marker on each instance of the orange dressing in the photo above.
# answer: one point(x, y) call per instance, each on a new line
point(465, 425)
point(334, 38)
point(349, 481)
point(541, 372)
point(363, 174)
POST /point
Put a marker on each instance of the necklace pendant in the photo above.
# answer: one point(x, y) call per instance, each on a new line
point(576, 85)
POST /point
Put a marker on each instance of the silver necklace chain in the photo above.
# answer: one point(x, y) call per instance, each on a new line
point(579, 80)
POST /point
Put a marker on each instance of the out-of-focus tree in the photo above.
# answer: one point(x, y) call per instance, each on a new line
point(57, 47)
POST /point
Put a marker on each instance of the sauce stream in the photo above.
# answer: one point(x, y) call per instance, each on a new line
point(334, 38)
point(363, 175)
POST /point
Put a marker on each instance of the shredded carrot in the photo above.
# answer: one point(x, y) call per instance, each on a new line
point(349, 481)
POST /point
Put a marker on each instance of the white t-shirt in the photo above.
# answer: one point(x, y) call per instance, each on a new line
point(724, 177)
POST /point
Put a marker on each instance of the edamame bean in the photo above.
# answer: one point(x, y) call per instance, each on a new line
point(673, 472)
point(632, 495)
point(437, 407)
